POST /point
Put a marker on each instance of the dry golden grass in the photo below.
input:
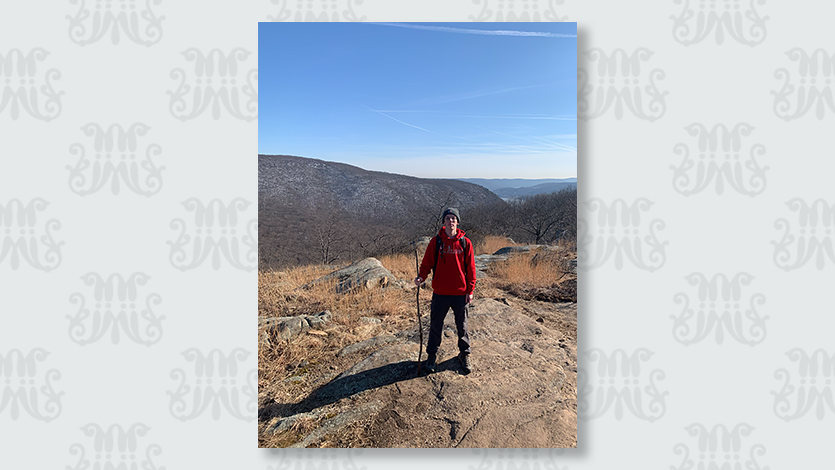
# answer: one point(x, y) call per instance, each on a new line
point(280, 294)
point(490, 244)
point(402, 265)
point(545, 275)
point(520, 269)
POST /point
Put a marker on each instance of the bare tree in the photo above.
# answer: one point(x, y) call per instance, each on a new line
point(431, 212)
point(330, 234)
point(491, 219)
point(569, 214)
point(547, 217)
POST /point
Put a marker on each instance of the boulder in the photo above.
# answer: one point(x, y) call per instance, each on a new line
point(482, 261)
point(422, 243)
point(363, 274)
point(318, 320)
point(285, 328)
point(400, 284)
point(518, 249)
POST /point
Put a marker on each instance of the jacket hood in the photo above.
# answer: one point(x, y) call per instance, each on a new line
point(458, 234)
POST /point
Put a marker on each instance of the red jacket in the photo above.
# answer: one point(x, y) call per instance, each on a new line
point(450, 276)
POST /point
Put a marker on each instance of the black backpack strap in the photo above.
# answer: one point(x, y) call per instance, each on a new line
point(463, 241)
point(438, 243)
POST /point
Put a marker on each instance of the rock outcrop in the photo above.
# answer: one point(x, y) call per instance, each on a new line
point(285, 328)
point(363, 274)
point(522, 392)
point(519, 249)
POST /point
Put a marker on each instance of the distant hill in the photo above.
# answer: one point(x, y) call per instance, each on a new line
point(308, 182)
point(509, 193)
point(499, 183)
point(313, 210)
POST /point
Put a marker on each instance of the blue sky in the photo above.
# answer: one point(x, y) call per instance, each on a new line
point(435, 100)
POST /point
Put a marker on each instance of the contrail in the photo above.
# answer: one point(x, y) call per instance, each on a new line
point(494, 116)
point(398, 120)
point(495, 32)
point(471, 95)
point(556, 144)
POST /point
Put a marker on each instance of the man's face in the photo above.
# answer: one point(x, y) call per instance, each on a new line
point(451, 222)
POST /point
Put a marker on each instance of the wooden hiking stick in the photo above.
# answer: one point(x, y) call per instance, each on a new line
point(417, 299)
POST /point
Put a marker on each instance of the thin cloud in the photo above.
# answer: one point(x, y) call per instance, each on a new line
point(470, 95)
point(555, 118)
point(486, 116)
point(537, 141)
point(398, 120)
point(484, 32)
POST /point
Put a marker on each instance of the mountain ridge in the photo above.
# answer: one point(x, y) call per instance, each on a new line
point(309, 182)
point(494, 184)
point(510, 193)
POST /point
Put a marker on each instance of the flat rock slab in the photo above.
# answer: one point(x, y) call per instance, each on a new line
point(374, 342)
point(518, 394)
point(328, 422)
point(482, 261)
point(363, 274)
point(518, 249)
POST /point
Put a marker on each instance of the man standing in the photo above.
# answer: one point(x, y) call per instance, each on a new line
point(452, 257)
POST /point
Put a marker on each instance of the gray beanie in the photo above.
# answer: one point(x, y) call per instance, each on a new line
point(452, 211)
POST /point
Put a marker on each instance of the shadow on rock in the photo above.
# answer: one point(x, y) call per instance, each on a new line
point(384, 367)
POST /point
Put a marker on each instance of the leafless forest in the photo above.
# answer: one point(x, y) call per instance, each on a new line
point(324, 234)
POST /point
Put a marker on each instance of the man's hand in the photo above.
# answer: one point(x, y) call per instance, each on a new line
point(418, 281)
point(469, 298)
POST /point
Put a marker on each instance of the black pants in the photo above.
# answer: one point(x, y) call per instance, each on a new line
point(440, 307)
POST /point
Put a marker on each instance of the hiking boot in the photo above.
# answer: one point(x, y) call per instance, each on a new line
point(465, 362)
point(430, 364)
